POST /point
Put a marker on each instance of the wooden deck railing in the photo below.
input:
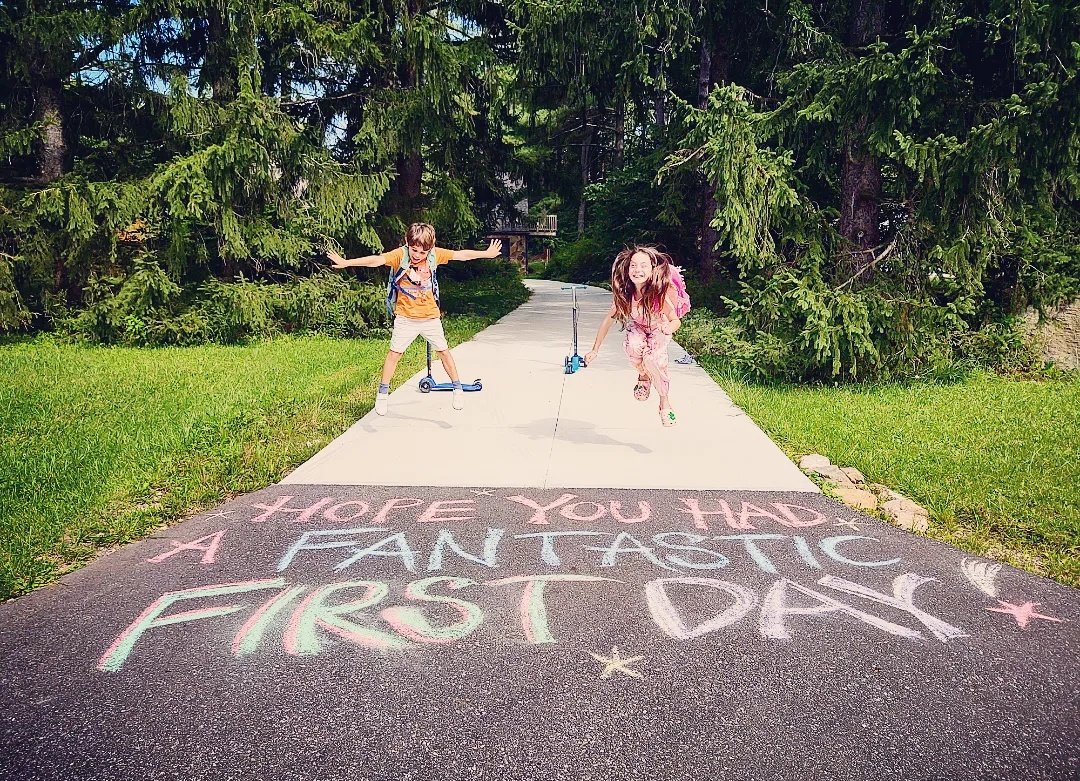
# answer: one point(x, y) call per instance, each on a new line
point(547, 225)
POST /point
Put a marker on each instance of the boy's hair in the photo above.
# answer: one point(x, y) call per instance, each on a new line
point(653, 291)
point(420, 234)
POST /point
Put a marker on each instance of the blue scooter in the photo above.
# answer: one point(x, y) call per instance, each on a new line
point(428, 384)
point(575, 361)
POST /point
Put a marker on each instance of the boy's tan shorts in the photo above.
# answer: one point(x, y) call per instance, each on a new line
point(406, 329)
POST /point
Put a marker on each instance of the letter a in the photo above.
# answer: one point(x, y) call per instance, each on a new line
point(209, 550)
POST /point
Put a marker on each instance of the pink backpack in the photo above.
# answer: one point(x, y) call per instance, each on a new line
point(682, 299)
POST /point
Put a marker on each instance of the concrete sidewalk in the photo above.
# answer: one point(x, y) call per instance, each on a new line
point(534, 426)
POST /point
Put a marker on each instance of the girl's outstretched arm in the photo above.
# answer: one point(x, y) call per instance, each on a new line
point(605, 326)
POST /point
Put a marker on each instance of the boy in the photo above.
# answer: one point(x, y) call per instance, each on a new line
point(415, 294)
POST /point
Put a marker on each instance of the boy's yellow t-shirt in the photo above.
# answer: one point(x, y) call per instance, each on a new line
point(423, 306)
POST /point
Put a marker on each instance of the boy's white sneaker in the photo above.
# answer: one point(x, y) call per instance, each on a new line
point(382, 403)
point(459, 398)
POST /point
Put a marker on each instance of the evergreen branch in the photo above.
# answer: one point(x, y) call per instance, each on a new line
point(876, 259)
point(320, 99)
point(90, 55)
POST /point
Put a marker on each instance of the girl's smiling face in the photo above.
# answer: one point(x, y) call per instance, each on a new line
point(640, 269)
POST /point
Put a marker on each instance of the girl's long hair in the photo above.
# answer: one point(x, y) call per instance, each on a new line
point(653, 291)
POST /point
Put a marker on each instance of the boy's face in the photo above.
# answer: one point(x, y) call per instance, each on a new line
point(417, 253)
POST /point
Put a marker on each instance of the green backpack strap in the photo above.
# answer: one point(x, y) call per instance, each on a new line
point(433, 264)
point(393, 284)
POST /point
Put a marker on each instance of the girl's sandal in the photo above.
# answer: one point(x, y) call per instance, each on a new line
point(643, 389)
point(667, 416)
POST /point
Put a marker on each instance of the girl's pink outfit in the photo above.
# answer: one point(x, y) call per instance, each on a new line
point(648, 348)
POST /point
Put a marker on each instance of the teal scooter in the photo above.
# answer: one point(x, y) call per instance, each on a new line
point(428, 384)
point(575, 361)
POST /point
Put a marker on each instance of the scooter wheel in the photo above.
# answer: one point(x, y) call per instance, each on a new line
point(425, 385)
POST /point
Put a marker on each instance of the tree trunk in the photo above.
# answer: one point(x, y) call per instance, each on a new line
point(704, 72)
point(586, 143)
point(410, 166)
point(620, 135)
point(218, 67)
point(410, 169)
point(52, 151)
point(713, 68)
point(860, 175)
point(659, 99)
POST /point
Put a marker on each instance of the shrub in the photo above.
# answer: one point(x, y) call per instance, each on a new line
point(584, 260)
point(148, 309)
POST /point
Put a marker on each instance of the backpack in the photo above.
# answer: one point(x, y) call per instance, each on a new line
point(682, 299)
point(393, 284)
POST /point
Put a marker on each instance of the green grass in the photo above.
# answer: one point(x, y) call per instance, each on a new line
point(98, 446)
point(995, 460)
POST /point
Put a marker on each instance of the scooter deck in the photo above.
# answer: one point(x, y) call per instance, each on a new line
point(428, 384)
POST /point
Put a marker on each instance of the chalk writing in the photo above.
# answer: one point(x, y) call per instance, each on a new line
point(321, 613)
point(207, 545)
point(735, 515)
point(411, 623)
point(669, 566)
point(658, 551)
point(785, 514)
point(116, 653)
point(251, 633)
point(540, 516)
point(533, 611)
point(667, 618)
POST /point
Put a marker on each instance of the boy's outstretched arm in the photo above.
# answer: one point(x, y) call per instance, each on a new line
point(492, 251)
point(601, 334)
point(371, 261)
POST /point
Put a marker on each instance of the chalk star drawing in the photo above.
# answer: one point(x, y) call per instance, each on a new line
point(615, 663)
point(1023, 613)
point(219, 514)
point(849, 524)
point(982, 575)
point(484, 493)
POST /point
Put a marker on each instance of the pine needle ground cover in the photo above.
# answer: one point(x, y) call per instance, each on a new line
point(995, 460)
point(99, 445)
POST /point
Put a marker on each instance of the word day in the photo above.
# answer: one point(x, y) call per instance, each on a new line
point(355, 611)
point(703, 513)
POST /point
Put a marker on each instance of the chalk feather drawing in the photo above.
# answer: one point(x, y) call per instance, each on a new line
point(982, 575)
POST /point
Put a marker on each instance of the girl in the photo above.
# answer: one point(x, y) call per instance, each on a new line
point(646, 302)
